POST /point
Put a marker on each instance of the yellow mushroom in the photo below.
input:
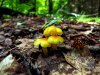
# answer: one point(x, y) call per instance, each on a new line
point(37, 43)
point(59, 31)
point(43, 42)
point(52, 30)
point(55, 40)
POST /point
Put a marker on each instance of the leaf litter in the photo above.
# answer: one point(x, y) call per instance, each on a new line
point(18, 34)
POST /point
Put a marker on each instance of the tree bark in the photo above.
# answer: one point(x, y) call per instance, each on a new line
point(50, 6)
point(99, 9)
point(79, 6)
point(92, 7)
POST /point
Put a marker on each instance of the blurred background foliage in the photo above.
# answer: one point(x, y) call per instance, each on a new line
point(70, 9)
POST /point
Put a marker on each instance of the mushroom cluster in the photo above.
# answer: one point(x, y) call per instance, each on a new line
point(52, 39)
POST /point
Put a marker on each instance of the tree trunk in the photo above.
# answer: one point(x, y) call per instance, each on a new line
point(99, 9)
point(50, 7)
point(34, 6)
point(79, 6)
point(92, 7)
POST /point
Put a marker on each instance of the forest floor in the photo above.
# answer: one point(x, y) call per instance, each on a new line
point(16, 40)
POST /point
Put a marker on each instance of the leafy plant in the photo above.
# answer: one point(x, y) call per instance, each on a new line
point(24, 8)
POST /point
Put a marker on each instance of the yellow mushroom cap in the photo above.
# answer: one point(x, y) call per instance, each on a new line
point(37, 42)
point(55, 39)
point(43, 42)
point(52, 30)
point(46, 32)
point(59, 31)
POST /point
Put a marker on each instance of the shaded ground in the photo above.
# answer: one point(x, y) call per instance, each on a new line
point(18, 34)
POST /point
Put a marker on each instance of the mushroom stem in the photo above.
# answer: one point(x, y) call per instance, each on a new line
point(54, 46)
point(45, 51)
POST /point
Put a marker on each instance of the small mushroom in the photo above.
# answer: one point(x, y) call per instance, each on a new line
point(55, 40)
point(43, 42)
point(59, 31)
point(52, 30)
point(37, 43)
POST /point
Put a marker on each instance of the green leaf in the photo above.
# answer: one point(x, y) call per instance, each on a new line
point(24, 8)
point(52, 22)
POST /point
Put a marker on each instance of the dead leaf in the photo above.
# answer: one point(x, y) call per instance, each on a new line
point(6, 64)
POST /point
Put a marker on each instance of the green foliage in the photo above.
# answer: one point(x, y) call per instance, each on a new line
point(24, 8)
point(14, 4)
point(60, 8)
point(85, 19)
point(88, 19)
point(56, 4)
point(41, 7)
point(52, 22)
